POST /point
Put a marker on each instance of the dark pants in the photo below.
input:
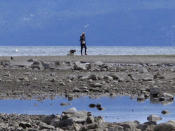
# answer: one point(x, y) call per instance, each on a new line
point(83, 46)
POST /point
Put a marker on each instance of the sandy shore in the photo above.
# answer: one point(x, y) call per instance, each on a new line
point(104, 58)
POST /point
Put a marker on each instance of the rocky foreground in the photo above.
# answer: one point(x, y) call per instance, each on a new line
point(73, 120)
point(79, 121)
point(39, 78)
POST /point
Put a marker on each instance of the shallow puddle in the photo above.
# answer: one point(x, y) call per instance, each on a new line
point(116, 109)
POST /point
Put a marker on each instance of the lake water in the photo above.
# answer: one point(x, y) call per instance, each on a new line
point(116, 109)
point(92, 50)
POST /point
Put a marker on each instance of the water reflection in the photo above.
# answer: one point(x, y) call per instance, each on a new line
point(115, 108)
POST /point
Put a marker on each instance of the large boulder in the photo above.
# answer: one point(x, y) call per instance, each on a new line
point(154, 118)
point(81, 66)
point(168, 126)
point(154, 92)
point(166, 97)
point(129, 126)
point(74, 115)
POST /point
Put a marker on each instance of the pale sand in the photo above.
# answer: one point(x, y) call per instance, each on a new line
point(104, 58)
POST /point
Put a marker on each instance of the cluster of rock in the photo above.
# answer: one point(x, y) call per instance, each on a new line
point(74, 120)
point(71, 120)
point(74, 78)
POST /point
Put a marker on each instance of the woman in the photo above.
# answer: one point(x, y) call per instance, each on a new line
point(83, 43)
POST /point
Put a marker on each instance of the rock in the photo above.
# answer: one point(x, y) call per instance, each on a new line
point(165, 112)
point(154, 118)
point(92, 126)
point(37, 65)
point(25, 125)
point(77, 127)
point(3, 125)
point(141, 97)
point(45, 126)
point(147, 126)
point(147, 77)
point(55, 122)
point(72, 77)
point(99, 63)
point(86, 77)
point(30, 60)
point(168, 126)
point(159, 76)
point(166, 97)
point(129, 126)
point(154, 92)
point(84, 88)
point(99, 107)
point(81, 66)
point(57, 63)
point(110, 78)
point(93, 77)
point(49, 119)
point(90, 119)
point(142, 69)
point(74, 115)
point(5, 63)
point(144, 76)
point(120, 76)
point(48, 65)
point(65, 123)
point(71, 110)
point(92, 105)
point(99, 120)
point(89, 77)
point(62, 83)
point(64, 104)
point(116, 128)
point(52, 80)
point(96, 84)
point(70, 97)
point(76, 90)
point(23, 78)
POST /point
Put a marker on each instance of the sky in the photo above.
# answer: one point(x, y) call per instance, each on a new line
point(106, 22)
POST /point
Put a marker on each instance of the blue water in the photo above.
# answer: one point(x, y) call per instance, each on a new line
point(92, 50)
point(116, 109)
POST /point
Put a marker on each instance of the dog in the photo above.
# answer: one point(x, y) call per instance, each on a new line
point(71, 53)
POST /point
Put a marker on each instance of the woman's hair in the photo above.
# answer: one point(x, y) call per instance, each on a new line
point(83, 34)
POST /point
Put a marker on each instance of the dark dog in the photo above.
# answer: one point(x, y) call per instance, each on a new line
point(72, 52)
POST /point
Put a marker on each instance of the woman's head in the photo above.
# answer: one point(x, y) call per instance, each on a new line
point(83, 34)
